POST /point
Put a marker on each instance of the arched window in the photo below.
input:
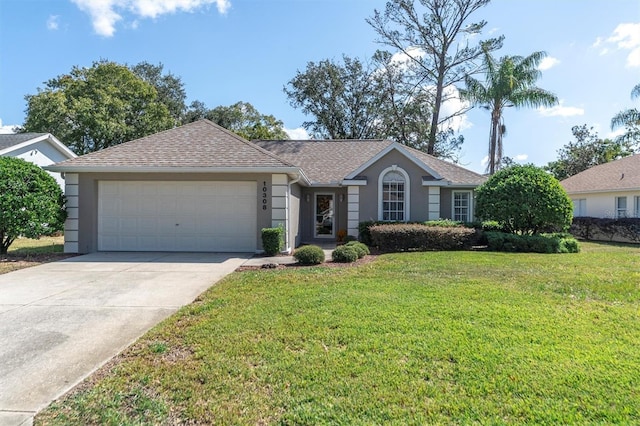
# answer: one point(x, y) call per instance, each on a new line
point(394, 195)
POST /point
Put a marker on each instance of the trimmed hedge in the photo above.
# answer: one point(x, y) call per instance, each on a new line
point(361, 249)
point(594, 228)
point(272, 240)
point(539, 243)
point(344, 254)
point(309, 255)
point(419, 237)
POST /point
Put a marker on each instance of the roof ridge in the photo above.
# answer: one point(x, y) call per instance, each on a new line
point(441, 160)
point(243, 140)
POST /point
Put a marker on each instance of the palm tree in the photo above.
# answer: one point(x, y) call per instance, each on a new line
point(630, 119)
point(508, 82)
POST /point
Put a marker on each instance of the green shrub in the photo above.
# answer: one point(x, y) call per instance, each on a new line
point(272, 240)
point(309, 255)
point(595, 228)
point(361, 249)
point(344, 254)
point(444, 223)
point(540, 243)
point(31, 202)
point(419, 237)
point(524, 200)
point(364, 235)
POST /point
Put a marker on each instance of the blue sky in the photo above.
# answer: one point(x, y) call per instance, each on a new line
point(246, 50)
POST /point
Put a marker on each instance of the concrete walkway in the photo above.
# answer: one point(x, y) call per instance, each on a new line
point(61, 321)
point(280, 260)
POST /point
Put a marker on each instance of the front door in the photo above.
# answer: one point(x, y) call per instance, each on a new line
point(324, 216)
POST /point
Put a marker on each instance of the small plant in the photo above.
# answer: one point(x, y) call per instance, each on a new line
point(272, 240)
point(361, 249)
point(158, 347)
point(444, 223)
point(342, 235)
point(309, 255)
point(344, 254)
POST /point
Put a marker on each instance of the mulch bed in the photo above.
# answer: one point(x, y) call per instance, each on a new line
point(329, 263)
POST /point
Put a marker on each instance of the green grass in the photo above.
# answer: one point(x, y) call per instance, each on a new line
point(25, 252)
point(47, 245)
point(419, 338)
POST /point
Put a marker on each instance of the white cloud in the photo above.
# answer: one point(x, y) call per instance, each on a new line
point(8, 129)
point(561, 111)
point(484, 161)
point(548, 62)
point(625, 37)
point(53, 22)
point(453, 104)
point(298, 134)
point(521, 157)
point(402, 58)
point(105, 14)
point(618, 132)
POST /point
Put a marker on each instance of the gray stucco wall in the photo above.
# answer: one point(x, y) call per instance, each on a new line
point(419, 195)
point(88, 199)
point(294, 215)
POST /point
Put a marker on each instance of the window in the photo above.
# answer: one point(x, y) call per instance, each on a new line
point(636, 208)
point(580, 207)
point(393, 195)
point(462, 206)
point(621, 206)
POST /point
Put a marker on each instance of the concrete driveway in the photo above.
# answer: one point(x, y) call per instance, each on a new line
point(60, 321)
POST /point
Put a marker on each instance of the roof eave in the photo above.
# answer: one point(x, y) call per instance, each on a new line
point(62, 168)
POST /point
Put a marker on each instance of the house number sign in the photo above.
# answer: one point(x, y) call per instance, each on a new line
point(264, 195)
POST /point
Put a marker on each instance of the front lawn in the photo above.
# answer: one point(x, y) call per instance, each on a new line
point(419, 338)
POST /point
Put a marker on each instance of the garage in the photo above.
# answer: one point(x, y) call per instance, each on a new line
point(198, 216)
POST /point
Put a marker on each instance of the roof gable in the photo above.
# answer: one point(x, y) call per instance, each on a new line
point(618, 175)
point(330, 162)
point(14, 142)
point(201, 145)
point(397, 147)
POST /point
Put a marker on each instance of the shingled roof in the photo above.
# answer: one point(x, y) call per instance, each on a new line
point(330, 161)
point(618, 175)
point(198, 145)
point(9, 140)
point(323, 161)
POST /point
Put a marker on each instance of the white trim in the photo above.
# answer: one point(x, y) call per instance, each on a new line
point(604, 191)
point(53, 141)
point(280, 193)
point(470, 207)
point(447, 183)
point(354, 182)
point(407, 191)
point(434, 203)
point(315, 211)
point(353, 210)
point(398, 147)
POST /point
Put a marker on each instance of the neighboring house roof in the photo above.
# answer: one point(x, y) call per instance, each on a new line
point(618, 175)
point(331, 161)
point(10, 140)
point(197, 146)
point(13, 142)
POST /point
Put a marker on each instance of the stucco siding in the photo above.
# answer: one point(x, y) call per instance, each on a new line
point(294, 218)
point(41, 154)
point(604, 204)
point(419, 195)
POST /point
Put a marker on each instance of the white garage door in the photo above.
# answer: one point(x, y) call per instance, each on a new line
point(177, 216)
